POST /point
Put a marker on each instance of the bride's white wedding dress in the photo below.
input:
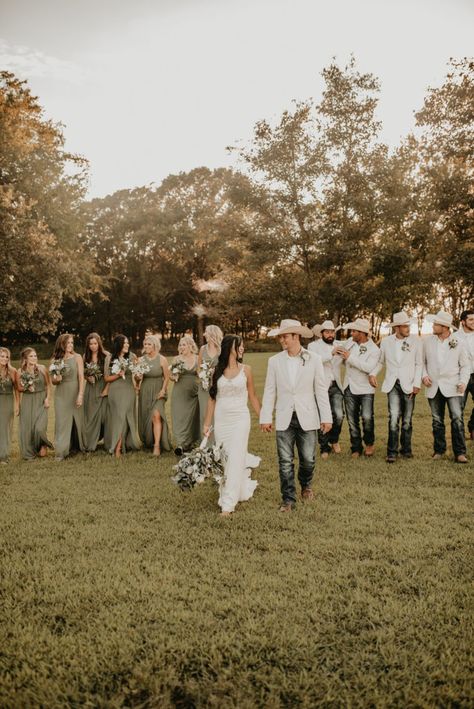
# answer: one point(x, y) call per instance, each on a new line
point(231, 428)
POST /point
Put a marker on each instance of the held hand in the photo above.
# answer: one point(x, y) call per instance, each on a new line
point(345, 354)
point(461, 388)
point(46, 403)
point(416, 390)
point(57, 378)
point(373, 381)
point(79, 401)
point(266, 427)
point(206, 430)
point(326, 427)
point(17, 410)
point(161, 394)
point(91, 380)
point(427, 381)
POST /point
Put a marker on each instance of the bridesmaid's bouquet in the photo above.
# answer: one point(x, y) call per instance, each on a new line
point(200, 463)
point(92, 369)
point(205, 375)
point(57, 367)
point(138, 369)
point(27, 381)
point(176, 369)
point(120, 365)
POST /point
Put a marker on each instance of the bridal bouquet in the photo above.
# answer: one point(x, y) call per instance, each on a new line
point(197, 465)
point(176, 369)
point(205, 375)
point(138, 369)
point(27, 381)
point(57, 367)
point(92, 369)
point(120, 365)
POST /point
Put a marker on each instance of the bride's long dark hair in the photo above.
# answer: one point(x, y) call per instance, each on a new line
point(226, 347)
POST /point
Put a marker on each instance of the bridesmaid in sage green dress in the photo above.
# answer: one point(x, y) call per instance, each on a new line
point(68, 398)
point(34, 405)
point(9, 402)
point(184, 397)
point(95, 392)
point(208, 354)
point(152, 424)
point(121, 432)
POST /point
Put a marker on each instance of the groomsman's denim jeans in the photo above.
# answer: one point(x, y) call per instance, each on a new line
point(469, 390)
point(360, 406)
point(336, 399)
point(306, 445)
point(455, 408)
point(400, 407)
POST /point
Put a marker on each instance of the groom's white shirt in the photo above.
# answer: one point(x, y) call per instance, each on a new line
point(446, 366)
point(307, 395)
point(403, 360)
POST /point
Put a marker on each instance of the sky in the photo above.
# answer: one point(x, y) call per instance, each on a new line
point(153, 87)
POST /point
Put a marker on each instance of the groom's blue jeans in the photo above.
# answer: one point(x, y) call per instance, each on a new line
point(305, 442)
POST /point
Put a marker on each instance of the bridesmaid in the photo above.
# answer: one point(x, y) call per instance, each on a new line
point(68, 399)
point(34, 405)
point(95, 392)
point(184, 398)
point(152, 424)
point(209, 354)
point(121, 422)
point(9, 402)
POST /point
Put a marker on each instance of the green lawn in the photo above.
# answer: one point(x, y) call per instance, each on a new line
point(118, 590)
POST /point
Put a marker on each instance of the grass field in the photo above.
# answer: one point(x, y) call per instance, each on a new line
point(118, 590)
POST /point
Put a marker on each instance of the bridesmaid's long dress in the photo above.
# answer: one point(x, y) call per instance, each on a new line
point(33, 426)
point(185, 409)
point(148, 403)
point(69, 418)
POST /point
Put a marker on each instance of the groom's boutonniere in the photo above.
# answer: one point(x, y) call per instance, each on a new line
point(304, 354)
point(405, 346)
point(362, 349)
point(453, 343)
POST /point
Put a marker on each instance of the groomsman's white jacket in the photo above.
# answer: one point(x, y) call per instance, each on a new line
point(446, 366)
point(359, 365)
point(331, 363)
point(308, 396)
point(468, 341)
point(402, 362)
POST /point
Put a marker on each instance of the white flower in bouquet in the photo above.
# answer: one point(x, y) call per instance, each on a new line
point(205, 374)
point(57, 367)
point(92, 369)
point(27, 381)
point(120, 366)
point(138, 369)
point(176, 369)
point(199, 464)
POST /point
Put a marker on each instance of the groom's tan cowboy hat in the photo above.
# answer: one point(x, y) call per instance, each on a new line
point(359, 324)
point(402, 318)
point(293, 327)
point(441, 318)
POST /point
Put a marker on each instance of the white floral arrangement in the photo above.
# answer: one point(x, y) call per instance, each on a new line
point(92, 369)
point(362, 349)
point(405, 346)
point(57, 367)
point(176, 369)
point(138, 369)
point(205, 373)
point(27, 381)
point(120, 366)
point(453, 343)
point(305, 355)
point(199, 464)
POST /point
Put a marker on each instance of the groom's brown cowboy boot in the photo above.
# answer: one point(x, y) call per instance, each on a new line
point(307, 494)
point(286, 507)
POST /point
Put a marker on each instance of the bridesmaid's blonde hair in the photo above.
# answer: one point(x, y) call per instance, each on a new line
point(155, 340)
point(8, 366)
point(215, 335)
point(24, 354)
point(189, 341)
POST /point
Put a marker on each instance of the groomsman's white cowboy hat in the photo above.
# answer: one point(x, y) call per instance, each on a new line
point(329, 325)
point(402, 318)
point(441, 318)
point(316, 330)
point(291, 327)
point(359, 324)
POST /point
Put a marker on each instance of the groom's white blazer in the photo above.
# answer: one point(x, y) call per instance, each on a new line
point(455, 368)
point(308, 397)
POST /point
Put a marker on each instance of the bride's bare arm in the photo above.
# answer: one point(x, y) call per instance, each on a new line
point(211, 405)
point(251, 390)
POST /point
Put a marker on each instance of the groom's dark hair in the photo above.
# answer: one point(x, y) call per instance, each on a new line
point(226, 347)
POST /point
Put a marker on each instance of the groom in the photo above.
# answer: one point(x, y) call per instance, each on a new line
point(295, 381)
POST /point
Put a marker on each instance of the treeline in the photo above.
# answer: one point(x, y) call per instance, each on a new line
point(323, 220)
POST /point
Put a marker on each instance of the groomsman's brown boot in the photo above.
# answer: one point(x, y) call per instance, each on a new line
point(336, 448)
point(461, 459)
point(325, 455)
point(369, 451)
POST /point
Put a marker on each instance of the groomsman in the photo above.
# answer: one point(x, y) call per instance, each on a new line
point(401, 354)
point(446, 372)
point(327, 347)
point(466, 335)
point(361, 355)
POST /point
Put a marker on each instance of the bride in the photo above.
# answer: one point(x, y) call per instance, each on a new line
point(232, 384)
